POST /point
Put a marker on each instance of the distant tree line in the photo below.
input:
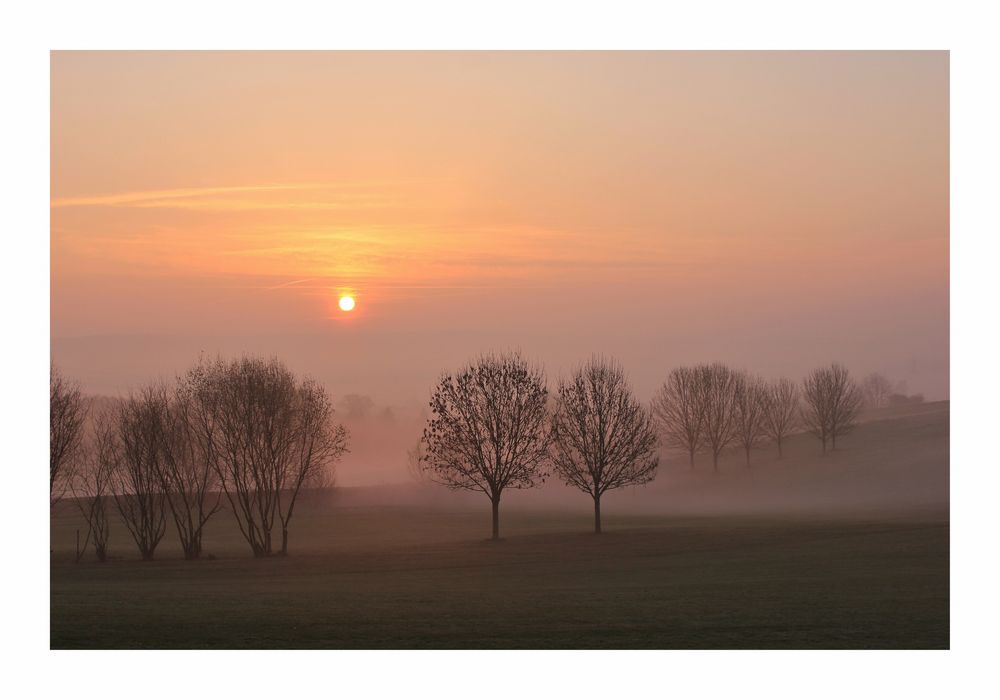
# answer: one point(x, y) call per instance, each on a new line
point(247, 434)
point(879, 392)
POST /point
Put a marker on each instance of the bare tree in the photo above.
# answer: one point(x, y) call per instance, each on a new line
point(67, 415)
point(781, 410)
point(832, 403)
point(846, 404)
point(136, 487)
point(749, 408)
point(815, 411)
point(602, 437)
point(185, 473)
point(488, 430)
point(318, 446)
point(717, 388)
point(91, 484)
point(876, 390)
point(265, 435)
point(679, 410)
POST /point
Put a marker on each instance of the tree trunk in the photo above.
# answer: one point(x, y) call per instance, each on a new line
point(833, 441)
point(748, 456)
point(597, 515)
point(715, 462)
point(284, 541)
point(779, 448)
point(496, 517)
point(691, 462)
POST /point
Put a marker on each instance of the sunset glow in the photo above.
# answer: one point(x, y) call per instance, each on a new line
point(346, 303)
point(697, 205)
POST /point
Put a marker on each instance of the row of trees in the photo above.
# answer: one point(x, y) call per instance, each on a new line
point(494, 427)
point(711, 407)
point(247, 431)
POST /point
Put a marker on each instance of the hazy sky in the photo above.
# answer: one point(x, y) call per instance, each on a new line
point(773, 210)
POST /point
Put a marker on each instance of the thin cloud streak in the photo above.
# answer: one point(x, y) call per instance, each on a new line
point(137, 198)
point(356, 193)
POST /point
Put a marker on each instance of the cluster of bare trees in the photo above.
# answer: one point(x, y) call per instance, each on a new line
point(246, 430)
point(832, 403)
point(494, 425)
point(492, 428)
point(711, 407)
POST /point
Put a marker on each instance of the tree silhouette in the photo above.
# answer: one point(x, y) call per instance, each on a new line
point(876, 390)
point(91, 483)
point(717, 389)
point(488, 430)
point(602, 437)
point(680, 411)
point(832, 403)
point(135, 480)
point(186, 474)
point(67, 415)
point(781, 410)
point(265, 435)
point(749, 409)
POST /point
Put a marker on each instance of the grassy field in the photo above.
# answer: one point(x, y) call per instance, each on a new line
point(392, 573)
point(687, 583)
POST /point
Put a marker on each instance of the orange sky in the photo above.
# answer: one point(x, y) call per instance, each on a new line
point(773, 210)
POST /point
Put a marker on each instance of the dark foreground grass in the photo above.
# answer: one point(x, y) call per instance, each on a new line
point(412, 578)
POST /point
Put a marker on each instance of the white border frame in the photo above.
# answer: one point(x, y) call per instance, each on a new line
point(966, 28)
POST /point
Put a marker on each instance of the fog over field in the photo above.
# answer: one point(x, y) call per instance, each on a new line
point(779, 555)
point(896, 460)
point(895, 463)
point(500, 349)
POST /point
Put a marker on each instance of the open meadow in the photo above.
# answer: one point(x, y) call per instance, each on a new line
point(695, 560)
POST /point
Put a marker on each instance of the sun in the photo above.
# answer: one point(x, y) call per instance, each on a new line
point(346, 303)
